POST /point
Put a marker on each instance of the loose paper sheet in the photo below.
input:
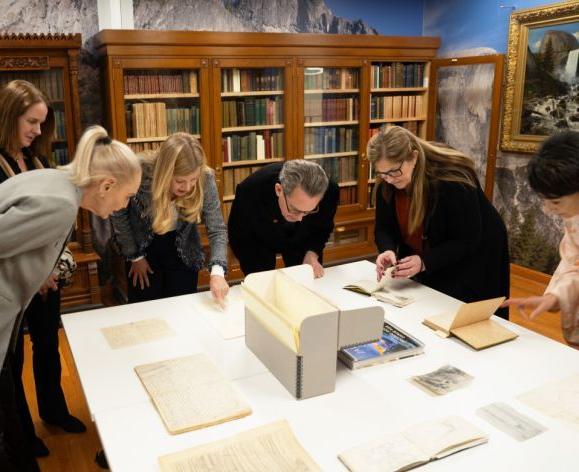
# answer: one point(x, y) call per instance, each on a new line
point(190, 393)
point(559, 400)
point(510, 421)
point(272, 447)
point(229, 322)
point(137, 332)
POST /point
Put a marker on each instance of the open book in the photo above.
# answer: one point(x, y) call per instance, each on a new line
point(190, 393)
point(381, 290)
point(269, 447)
point(414, 446)
point(472, 324)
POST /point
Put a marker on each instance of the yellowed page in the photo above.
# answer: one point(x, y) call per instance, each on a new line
point(190, 393)
point(440, 438)
point(271, 318)
point(441, 322)
point(474, 312)
point(559, 400)
point(272, 447)
point(389, 453)
point(137, 332)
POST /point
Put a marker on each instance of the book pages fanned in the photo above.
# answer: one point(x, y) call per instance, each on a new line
point(190, 393)
point(559, 400)
point(272, 447)
point(414, 446)
point(137, 332)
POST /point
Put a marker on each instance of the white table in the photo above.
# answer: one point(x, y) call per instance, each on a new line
point(367, 402)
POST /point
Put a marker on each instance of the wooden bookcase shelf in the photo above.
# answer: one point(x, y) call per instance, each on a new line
point(51, 63)
point(266, 97)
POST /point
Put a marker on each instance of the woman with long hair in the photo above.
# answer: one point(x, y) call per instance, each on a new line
point(433, 221)
point(38, 210)
point(158, 232)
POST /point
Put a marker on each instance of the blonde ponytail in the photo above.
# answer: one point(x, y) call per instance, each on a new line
point(98, 156)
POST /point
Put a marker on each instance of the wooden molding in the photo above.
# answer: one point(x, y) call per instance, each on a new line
point(530, 274)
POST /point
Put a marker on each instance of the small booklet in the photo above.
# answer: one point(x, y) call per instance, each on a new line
point(472, 324)
point(381, 290)
point(394, 344)
point(414, 446)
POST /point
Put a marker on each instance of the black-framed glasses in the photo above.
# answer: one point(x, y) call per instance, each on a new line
point(293, 211)
point(391, 173)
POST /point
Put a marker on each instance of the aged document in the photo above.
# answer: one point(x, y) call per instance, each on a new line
point(443, 380)
point(510, 421)
point(229, 321)
point(137, 332)
point(272, 447)
point(414, 446)
point(559, 400)
point(190, 393)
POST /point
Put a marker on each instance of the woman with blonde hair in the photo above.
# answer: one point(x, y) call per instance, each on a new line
point(158, 232)
point(38, 211)
point(433, 221)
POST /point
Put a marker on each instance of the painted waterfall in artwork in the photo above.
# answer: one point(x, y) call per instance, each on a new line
point(551, 87)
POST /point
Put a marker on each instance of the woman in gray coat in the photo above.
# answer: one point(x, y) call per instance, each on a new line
point(158, 232)
point(38, 210)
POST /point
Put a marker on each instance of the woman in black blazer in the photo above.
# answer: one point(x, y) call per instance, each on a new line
point(433, 221)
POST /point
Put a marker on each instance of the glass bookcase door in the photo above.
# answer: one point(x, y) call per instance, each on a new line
point(331, 112)
point(159, 103)
point(398, 96)
point(51, 82)
point(252, 121)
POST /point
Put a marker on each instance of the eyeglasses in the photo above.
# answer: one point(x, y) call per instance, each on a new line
point(293, 211)
point(391, 173)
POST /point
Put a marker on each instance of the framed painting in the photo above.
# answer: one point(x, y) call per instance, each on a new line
point(542, 83)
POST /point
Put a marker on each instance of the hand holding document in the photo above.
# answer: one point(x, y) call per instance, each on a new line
point(382, 290)
point(226, 318)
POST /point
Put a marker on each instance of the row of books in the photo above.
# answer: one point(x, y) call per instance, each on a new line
point(49, 81)
point(411, 126)
point(153, 119)
point(160, 81)
point(330, 78)
point(60, 156)
point(398, 74)
point(143, 147)
point(59, 124)
point(251, 80)
point(340, 169)
point(234, 176)
point(252, 111)
point(257, 145)
point(396, 106)
point(348, 195)
point(318, 109)
point(226, 208)
point(330, 139)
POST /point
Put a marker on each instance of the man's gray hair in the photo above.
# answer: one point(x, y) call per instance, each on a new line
point(307, 175)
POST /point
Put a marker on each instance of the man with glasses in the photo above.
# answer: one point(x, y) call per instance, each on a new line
point(285, 209)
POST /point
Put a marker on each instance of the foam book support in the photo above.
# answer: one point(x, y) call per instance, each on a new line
point(297, 333)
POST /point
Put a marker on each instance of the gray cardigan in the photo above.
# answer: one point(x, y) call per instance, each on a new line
point(37, 212)
point(133, 232)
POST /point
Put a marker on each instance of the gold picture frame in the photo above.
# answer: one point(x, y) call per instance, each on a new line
point(540, 76)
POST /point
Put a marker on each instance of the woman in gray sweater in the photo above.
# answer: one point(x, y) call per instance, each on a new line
point(158, 232)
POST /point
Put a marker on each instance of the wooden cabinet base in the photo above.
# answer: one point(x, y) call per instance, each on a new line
point(85, 292)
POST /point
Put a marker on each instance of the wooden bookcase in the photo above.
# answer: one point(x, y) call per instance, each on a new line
point(51, 63)
point(265, 97)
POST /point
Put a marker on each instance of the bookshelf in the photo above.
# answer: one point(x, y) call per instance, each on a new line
point(50, 62)
point(268, 97)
